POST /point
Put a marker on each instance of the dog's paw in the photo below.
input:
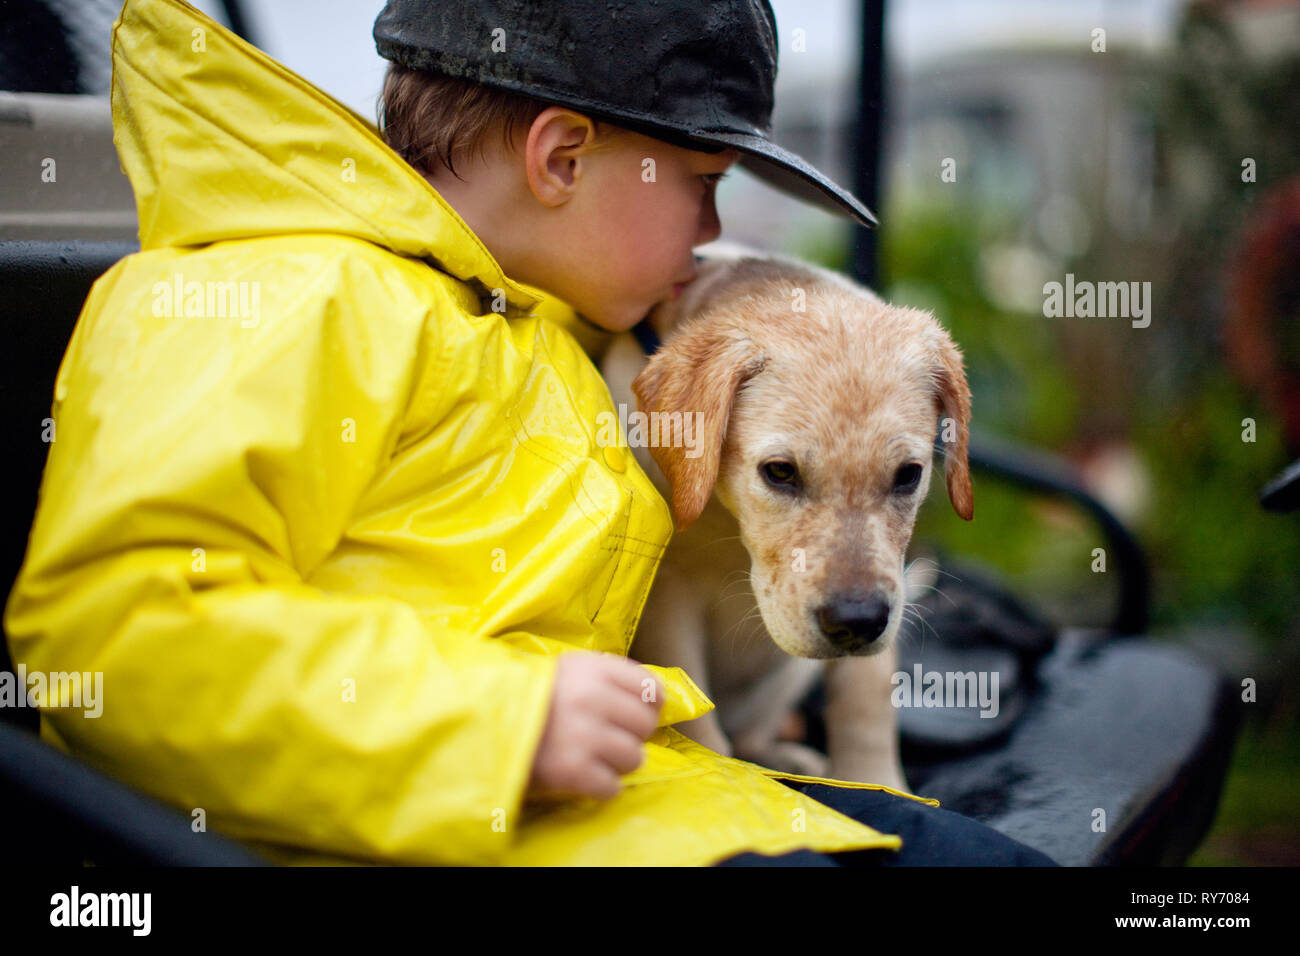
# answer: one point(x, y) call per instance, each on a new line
point(790, 757)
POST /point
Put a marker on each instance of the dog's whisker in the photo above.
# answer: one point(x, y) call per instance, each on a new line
point(915, 608)
point(743, 586)
point(739, 627)
point(927, 626)
point(913, 611)
point(752, 614)
point(716, 605)
point(945, 596)
point(738, 576)
point(939, 591)
point(906, 636)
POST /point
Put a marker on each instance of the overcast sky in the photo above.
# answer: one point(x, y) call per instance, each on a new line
point(329, 41)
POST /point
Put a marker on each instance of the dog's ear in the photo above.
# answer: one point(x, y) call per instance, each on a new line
point(696, 373)
point(952, 396)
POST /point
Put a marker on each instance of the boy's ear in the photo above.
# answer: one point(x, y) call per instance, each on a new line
point(699, 371)
point(952, 396)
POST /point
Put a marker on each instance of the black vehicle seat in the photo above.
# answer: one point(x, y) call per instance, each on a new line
point(1106, 721)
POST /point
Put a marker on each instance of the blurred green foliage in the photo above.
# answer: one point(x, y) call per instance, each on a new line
point(1165, 392)
point(1226, 573)
point(1211, 545)
point(1255, 823)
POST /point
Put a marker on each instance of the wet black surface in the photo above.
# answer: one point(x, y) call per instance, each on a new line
point(1118, 757)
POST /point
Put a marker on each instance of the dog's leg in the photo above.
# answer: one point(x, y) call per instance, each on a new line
point(861, 723)
point(673, 633)
point(791, 757)
point(756, 719)
point(707, 732)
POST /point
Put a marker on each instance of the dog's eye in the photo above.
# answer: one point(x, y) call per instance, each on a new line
point(907, 478)
point(780, 473)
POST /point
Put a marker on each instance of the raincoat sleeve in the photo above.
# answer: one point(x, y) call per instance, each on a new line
point(201, 470)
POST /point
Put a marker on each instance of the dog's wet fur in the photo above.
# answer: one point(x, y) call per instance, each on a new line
point(819, 405)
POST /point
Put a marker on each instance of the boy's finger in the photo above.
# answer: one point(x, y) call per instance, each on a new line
point(621, 751)
point(632, 677)
point(651, 690)
point(600, 781)
point(633, 716)
point(659, 693)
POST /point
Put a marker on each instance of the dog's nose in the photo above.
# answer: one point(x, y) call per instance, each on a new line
point(854, 621)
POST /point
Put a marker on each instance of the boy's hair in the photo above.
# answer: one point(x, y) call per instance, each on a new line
point(431, 120)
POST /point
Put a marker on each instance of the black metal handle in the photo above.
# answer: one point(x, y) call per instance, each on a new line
point(1283, 492)
point(1039, 471)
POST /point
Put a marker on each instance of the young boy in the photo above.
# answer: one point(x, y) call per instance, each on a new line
point(326, 508)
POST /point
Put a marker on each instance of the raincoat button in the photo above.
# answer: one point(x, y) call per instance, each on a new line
point(615, 457)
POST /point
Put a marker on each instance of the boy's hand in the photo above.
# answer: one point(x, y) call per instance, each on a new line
point(598, 722)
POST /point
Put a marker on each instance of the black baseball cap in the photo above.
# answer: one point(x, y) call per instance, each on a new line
point(694, 73)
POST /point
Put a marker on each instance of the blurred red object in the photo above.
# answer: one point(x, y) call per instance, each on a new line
point(1261, 334)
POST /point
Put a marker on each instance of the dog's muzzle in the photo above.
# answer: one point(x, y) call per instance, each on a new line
point(853, 622)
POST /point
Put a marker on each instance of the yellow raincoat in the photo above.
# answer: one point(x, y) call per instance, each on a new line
point(324, 519)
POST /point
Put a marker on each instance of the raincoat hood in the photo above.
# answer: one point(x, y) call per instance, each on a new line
point(309, 164)
point(324, 519)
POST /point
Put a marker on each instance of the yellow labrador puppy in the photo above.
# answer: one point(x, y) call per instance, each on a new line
point(791, 416)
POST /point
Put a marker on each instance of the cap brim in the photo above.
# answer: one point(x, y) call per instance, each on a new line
point(793, 175)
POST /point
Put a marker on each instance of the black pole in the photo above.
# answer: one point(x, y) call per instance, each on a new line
point(239, 21)
point(868, 140)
